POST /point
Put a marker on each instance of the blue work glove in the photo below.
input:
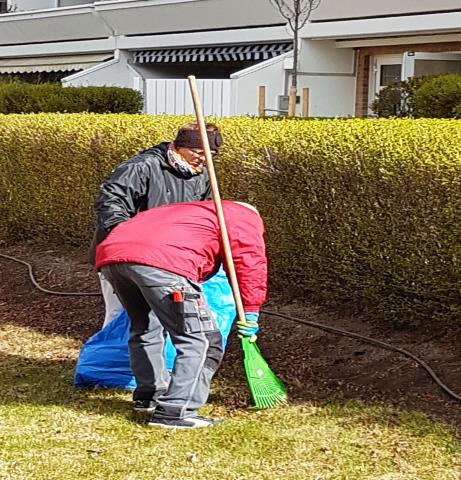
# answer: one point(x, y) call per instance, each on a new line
point(249, 327)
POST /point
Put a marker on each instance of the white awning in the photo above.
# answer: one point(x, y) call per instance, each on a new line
point(229, 53)
point(61, 63)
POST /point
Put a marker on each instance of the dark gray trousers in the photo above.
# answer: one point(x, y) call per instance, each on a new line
point(147, 294)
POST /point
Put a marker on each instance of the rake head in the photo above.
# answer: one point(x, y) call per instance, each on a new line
point(266, 388)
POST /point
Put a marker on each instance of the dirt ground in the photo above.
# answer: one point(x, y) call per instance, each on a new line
point(315, 365)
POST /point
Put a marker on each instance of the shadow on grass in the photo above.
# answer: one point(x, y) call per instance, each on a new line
point(48, 383)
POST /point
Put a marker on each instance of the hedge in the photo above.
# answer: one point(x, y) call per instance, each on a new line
point(434, 96)
point(396, 100)
point(29, 98)
point(357, 212)
point(438, 97)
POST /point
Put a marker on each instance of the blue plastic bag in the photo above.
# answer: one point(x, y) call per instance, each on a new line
point(104, 359)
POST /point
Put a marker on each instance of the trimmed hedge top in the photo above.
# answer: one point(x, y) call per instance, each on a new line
point(28, 98)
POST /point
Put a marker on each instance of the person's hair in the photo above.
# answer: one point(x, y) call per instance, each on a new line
point(210, 127)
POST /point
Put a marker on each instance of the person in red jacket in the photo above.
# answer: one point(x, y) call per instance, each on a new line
point(156, 262)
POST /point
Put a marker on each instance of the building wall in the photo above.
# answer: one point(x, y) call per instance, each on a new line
point(270, 74)
point(328, 9)
point(323, 56)
point(71, 3)
point(328, 96)
point(362, 83)
point(113, 74)
point(24, 5)
point(329, 74)
point(344, 9)
point(149, 17)
point(413, 47)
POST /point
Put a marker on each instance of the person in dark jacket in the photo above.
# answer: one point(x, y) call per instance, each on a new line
point(166, 173)
point(156, 262)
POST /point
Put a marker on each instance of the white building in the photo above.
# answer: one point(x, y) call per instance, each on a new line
point(349, 49)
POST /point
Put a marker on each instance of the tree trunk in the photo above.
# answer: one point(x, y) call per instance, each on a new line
point(294, 77)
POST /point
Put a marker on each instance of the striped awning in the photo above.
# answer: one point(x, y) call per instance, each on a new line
point(61, 63)
point(228, 53)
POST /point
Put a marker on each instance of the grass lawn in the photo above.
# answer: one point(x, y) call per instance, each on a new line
point(50, 431)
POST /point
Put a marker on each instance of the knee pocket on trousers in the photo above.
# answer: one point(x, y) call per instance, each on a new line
point(194, 315)
point(215, 351)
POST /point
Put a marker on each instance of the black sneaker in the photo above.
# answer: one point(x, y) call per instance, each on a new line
point(147, 406)
point(184, 423)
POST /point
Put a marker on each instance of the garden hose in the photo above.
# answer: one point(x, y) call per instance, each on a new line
point(327, 328)
point(372, 341)
point(44, 290)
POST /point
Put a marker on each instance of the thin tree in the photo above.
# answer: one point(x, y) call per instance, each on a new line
point(297, 13)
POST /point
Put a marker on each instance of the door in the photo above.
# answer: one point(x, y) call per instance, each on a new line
point(386, 70)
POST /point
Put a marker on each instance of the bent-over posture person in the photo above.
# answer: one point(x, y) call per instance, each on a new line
point(156, 262)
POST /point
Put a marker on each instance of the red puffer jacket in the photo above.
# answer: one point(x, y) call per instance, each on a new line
point(184, 238)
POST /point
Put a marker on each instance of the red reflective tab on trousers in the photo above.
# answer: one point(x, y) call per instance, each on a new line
point(178, 296)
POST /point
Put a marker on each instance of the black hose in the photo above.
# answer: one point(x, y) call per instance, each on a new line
point(334, 330)
point(372, 341)
point(44, 290)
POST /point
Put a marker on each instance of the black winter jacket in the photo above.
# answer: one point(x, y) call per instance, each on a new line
point(142, 182)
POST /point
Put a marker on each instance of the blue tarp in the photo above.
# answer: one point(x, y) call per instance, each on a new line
point(104, 360)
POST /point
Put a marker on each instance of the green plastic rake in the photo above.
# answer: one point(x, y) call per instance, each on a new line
point(266, 388)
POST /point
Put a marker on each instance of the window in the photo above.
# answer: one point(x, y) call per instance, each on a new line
point(390, 74)
point(3, 6)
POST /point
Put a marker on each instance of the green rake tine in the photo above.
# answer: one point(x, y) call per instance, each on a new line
point(266, 388)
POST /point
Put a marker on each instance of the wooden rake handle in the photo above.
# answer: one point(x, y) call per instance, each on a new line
point(216, 198)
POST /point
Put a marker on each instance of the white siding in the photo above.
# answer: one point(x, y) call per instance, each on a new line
point(172, 96)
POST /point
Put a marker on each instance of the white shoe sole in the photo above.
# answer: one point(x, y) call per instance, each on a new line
point(145, 409)
point(177, 427)
point(181, 427)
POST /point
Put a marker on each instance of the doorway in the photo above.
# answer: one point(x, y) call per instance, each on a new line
point(386, 70)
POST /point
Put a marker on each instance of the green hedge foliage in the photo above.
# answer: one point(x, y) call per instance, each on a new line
point(436, 96)
point(439, 97)
point(28, 98)
point(357, 212)
point(396, 100)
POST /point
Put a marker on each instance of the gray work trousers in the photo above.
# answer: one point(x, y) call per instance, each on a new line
point(177, 306)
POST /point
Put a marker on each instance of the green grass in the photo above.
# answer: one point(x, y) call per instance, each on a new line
point(50, 431)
